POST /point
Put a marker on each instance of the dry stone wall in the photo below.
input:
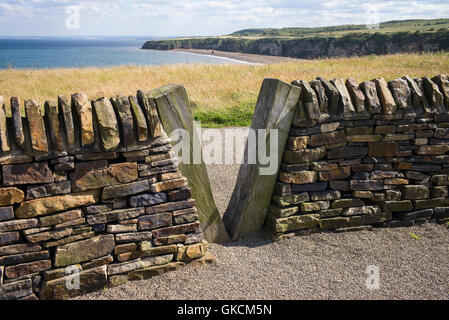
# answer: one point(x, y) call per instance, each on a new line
point(90, 194)
point(363, 155)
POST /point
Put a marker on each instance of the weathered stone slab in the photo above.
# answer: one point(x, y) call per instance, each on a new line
point(83, 107)
point(81, 236)
point(176, 230)
point(382, 149)
point(149, 106)
point(321, 139)
point(19, 248)
point(122, 228)
point(29, 173)
point(84, 250)
point(154, 221)
point(90, 280)
point(308, 107)
point(127, 189)
point(4, 140)
point(107, 123)
point(170, 206)
point(8, 238)
point(385, 96)
point(15, 225)
point(49, 235)
point(116, 174)
point(44, 206)
point(358, 98)
point(442, 81)
point(333, 96)
point(372, 99)
point(17, 125)
point(11, 195)
point(139, 119)
point(53, 125)
point(16, 290)
point(347, 152)
point(397, 206)
point(419, 100)
point(36, 125)
point(175, 113)
point(366, 185)
point(148, 199)
point(192, 252)
point(323, 100)
point(415, 192)
point(24, 269)
point(61, 218)
point(301, 177)
point(24, 257)
point(312, 187)
point(401, 93)
point(364, 210)
point(133, 237)
point(123, 108)
point(6, 213)
point(336, 174)
point(67, 116)
point(303, 156)
point(251, 197)
point(432, 150)
point(169, 185)
point(345, 98)
point(116, 215)
point(433, 94)
point(293, 223)
point(149, 272)
point(48, 190)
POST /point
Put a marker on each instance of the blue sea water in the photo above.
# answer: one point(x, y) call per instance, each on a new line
point(78, 53)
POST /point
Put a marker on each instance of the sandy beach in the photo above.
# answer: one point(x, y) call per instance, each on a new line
point(246, 57)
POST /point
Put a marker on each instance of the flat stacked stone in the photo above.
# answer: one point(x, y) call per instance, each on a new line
point(85, 188)
point(379, 158)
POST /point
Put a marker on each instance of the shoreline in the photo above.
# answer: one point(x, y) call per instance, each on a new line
point(256, 59)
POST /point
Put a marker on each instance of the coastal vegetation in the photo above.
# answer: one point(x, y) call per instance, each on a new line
point(221, 95)
point(407, 36)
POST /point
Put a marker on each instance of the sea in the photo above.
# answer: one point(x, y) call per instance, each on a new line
point(49, 53)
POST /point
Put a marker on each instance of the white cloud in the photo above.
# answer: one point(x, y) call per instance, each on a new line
point(201, 17)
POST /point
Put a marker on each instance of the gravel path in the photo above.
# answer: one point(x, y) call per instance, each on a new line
point(319, 266)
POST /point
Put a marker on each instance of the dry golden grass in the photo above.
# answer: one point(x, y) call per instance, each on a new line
point(212, 88)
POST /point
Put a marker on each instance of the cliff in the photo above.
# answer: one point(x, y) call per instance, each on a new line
point(316, 47)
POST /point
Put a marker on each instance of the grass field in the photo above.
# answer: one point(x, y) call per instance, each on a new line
point(221, 95)
point(424, 25)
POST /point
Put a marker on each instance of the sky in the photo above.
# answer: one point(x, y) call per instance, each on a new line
point(166, 18)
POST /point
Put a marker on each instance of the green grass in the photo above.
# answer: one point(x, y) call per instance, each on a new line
point(415, 236)
point(424, 25)
point(237, 116)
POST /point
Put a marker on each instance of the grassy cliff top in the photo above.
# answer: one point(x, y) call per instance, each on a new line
point(221, 95)
point(431, 25)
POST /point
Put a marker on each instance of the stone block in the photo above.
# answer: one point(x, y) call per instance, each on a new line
point(10, 195)
point(84, 250)
point(90, 280)
point(116, 174)
point(44, 206)
point(29, 173)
